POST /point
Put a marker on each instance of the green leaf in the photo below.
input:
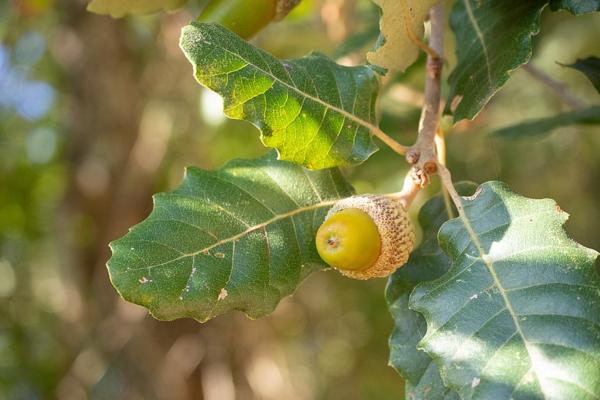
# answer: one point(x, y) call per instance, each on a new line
point(426, 262)
point(430, 387)
point(120, 8)
point(591, 68)
point(518, 313)
point(313, 111)
point(493, 38)
point(239, 238)
point(576, 7)
point(544, 126)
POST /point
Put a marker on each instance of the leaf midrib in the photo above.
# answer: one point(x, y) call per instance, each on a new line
point(481, 38)
point(490, 266)
point(242, 234)
point(344, 113)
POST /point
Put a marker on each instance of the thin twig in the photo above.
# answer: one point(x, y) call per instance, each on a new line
point(422, 153)
point(431, 109)
point(561, 90)
point(446, 179)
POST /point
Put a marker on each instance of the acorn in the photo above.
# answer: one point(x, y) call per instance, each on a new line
point(366, 236)
point(246, 17)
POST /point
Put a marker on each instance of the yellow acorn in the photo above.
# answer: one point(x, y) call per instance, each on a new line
point(246, 17)
point(366, 236)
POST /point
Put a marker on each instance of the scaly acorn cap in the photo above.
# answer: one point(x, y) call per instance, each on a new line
point(394, 226)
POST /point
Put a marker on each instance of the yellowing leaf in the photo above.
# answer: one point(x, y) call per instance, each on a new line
point(120, 8)
point(401, 25)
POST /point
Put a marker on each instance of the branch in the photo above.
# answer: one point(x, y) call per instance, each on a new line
point(561, 90)
point(422, 154)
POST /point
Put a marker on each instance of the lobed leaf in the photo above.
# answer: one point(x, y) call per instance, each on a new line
point(239, 238)
point(493, 38)
point(401, 26)
point(544, 126)
point(426, 262)
point(517, 315)
point(312, 110)
point(120, 8)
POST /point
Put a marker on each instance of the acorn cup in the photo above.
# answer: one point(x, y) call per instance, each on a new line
point(366, 236)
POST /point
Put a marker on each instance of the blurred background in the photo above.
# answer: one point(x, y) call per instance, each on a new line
point(98, 114)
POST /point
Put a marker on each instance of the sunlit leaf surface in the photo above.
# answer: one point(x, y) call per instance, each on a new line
point(427, 262)
point(517, 315)
point(312, 110)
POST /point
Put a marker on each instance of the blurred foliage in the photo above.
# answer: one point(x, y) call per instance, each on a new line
point(544, 126)
point(97, 114)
